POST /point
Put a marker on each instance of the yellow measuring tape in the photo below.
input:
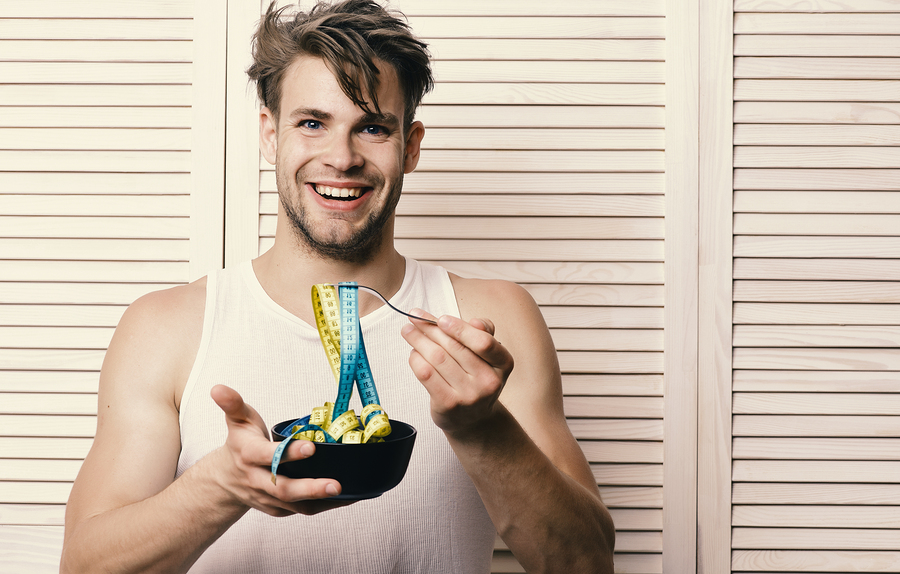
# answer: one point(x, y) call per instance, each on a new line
point(337, 321)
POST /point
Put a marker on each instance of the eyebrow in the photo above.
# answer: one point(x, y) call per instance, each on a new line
point(387, 119)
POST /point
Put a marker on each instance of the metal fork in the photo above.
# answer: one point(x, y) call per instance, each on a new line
point(386, 302)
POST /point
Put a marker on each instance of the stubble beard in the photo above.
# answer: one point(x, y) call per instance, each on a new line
point(358, 248)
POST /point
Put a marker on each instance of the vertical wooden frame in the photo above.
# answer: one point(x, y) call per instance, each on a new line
point(207, 138)
point(715, 287)
point(681, 252)
point(242, 138)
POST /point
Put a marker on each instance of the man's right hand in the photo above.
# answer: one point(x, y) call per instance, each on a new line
point(244, 464)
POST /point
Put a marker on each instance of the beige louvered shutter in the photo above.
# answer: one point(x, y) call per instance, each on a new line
point(104, 196)
point(543, 164)
point(816, 431)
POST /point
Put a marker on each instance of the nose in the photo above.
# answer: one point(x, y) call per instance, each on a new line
point(341, 153)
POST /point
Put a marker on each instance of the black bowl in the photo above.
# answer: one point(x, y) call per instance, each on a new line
point(364, 470)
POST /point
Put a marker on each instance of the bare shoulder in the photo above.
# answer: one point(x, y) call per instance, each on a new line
point(501, 301)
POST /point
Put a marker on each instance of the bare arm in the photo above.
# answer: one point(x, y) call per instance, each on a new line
point(527, 467)
point(126, 512)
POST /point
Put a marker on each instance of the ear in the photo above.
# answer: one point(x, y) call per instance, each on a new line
point(268, 134)
point(413, 146)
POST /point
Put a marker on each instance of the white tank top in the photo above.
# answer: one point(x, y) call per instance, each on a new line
point(433, 522)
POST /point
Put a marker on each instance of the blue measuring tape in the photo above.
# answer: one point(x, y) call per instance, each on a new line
point(341, 336)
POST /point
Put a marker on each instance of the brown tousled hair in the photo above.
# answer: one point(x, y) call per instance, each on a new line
point(350, 37)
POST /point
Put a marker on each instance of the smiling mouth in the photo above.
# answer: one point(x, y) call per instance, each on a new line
point(339, 193)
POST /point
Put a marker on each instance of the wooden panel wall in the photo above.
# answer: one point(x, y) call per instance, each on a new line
point(816, 286)
point(96, 163)
point(543, 164)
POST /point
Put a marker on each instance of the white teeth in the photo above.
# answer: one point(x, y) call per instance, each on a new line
point(338, 191)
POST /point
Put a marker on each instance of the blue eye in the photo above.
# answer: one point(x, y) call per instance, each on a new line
point(374, 130)
point(310, 124)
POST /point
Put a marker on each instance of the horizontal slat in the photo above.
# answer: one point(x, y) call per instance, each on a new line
point(562, 271)
point(49, 381)
point(819, 68)
point(637, 519)
point(814, 359)
point(428, 27)
point(34, 549)
point(51, 360)
point(815, 538)
point(816, 426)
point(589, 317)
point(630, 407)
point(104, 184)
point(617, 429)
point(815, 381)
point(816, 90)
point(95, 51)
point(533, 161)
point(816, 179)
point(600, 295)
point(558, 49)
point(817, 201)
point(816, 113)
point(515, 227)
point(32, 514)
point(816, 45)
point(816, 404)
point(559, 204)
point(817, 516)
point(816, 336)
point(31, 447)
point(817, 448)
point(532, 7)
point(39, 470)
point(61, 315)
point(547, 72)
point(815, 6)
point(95, 95)
point(95, 205)
point(32, 492)
point(99, 117)
point(547, 138)
point(97, 249)
point(632, 497)
point(55, 337)
point(47, 230)
point(48, 426)
point(532, 250)
point(817, 291)
point(95, 73)
point(844, 561)
point(622, 451)
point(805, 493)
point(96, 139)
point(550, 116)
point(610, 362)
point(836, 246)
point(102, 9)
point(819, 156)
point(807, 269)
point(611, 385)
point(514, 94)
point(628, 474)
point(103, 27)
point(774, 23)
point(97, 161)
point(816, 224)
point(100, 271)
point(816, 314)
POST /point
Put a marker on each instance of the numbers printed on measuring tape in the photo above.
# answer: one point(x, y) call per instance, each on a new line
point(337, 320)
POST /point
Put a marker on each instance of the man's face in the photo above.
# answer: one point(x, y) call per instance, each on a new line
point(339, 169)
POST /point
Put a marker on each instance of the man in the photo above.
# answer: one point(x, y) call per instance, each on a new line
point(172, 484)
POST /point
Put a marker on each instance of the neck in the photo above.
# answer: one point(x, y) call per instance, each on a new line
point(288, 271)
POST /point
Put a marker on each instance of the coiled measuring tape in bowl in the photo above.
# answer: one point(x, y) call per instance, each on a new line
point(339, 330)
